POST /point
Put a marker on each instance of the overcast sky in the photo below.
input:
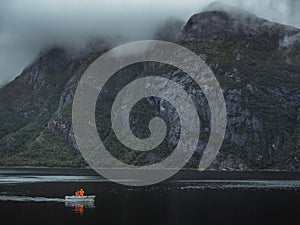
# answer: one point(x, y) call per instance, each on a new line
point(26, 26)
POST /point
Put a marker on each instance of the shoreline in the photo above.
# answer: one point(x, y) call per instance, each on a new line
point(182, 170)
point(182, 175)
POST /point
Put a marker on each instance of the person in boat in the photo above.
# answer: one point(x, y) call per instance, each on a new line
point(81, 192)
point(77, 193)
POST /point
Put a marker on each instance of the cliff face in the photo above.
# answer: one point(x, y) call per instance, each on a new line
point(255, 61)
point(257, 64)
point(33, 130)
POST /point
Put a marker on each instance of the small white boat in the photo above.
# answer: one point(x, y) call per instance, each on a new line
point(73, 198)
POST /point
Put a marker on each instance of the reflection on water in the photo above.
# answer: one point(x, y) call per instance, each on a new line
point(85, 204)
point(79, 208)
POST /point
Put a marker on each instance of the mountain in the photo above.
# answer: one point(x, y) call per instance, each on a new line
point(255, 61)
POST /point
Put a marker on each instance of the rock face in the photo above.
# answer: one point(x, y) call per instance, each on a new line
point(255, 61)
point(260, 78)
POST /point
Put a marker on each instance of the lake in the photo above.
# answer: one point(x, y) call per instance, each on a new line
point(36, 196)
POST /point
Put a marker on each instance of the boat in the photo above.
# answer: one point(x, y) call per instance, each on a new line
point(73, 198)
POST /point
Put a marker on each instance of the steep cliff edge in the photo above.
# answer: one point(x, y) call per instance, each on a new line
point(255, 61)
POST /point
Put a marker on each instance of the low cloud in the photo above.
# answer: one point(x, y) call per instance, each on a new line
point(27, 26)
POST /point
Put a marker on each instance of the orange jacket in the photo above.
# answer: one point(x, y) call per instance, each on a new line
point(81, 193)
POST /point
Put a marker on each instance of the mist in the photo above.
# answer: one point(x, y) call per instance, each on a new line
point(27, 26)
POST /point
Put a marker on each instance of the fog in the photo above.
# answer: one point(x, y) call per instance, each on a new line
point(27, 26)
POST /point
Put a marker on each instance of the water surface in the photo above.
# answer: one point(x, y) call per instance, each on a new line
point(36, 196)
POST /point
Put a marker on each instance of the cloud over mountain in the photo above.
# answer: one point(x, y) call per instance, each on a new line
point(27, 26)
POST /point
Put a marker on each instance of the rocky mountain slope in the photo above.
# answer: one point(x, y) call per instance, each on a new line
point(255, 61)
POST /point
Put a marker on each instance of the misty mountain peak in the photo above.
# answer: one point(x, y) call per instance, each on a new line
point(53, 58)
point(47, 69)
point(231, 23)
point(219, 24)
point(255, 61)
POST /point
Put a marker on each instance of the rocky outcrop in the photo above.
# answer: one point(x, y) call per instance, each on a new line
point(255, 61)
point(253, 67)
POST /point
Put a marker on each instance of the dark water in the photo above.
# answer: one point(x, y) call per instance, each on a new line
point(36, 196)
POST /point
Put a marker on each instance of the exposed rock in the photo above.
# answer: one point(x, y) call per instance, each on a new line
point(255, 61)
